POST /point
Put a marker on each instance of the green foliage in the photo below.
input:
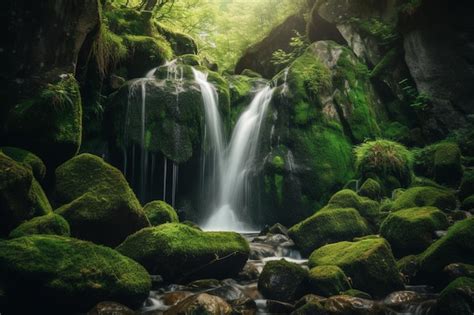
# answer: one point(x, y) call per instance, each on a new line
point(382, 159)
point(328, 226)
point(327, 281)
point(108, 49)
point(418, 101)
point(411, 231)
point(298, 45)
point(78, 274)
point(159, 212)
point(384, 32)
point(369, 263)
point(179, 252)
point(52, 224)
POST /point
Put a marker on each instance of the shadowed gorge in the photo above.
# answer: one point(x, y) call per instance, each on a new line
point(236, 157)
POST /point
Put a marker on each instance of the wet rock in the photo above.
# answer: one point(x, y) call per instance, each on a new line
point(173, 298)
point(343, 304)
point(259, 251)
point(110, 308)
point(457, 298)
point(244, 306)
point(309, 298)
point(278, 307)
point(457, 270)
point(250, 271)
point(227, 292)
point(278, 229)
point(201, 304)
point(282, 280)
point(204, 284)
point(398, 300)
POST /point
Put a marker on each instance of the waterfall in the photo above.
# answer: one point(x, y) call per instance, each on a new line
point(238, 162)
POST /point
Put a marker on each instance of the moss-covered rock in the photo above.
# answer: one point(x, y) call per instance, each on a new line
point(371, 189)
point(97, 201)
point(425, 196)
point(466, 188)
point(457, 246)
point(28, 159)
point(21, 196)
point(409, 266)
point(447, 164)
point(282, 281)
point(53, 118)
point(52, 224)
point(159, 212)
point(457, 270)
point(457, 298)
point(384, 160)
point(65, 275)
point(327, 281)
point(369, 263)
point(346, 198)
point(179, 252)
point(410, 231)
point(358, 294)
point(328, 226)
point(468, 203)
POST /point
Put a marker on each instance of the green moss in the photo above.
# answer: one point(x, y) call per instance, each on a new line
point(456, 298)
point(369, 263)
point(156, 48)
point(52, 224)
point(78, 274)
point(411, 231)
point(385, 33)
point(447, 164)
point(53, 118)
point(468, 203)
point(28, 159)
point(371, 189)
point(327, 281)
point(327, 226)
point(425, 196)
point(109, 49)
point(385, 65)
point(454, 247)
point(466, 188)
point(159, 212)
point(278, 162)
point(190, 60)
point(384, 159)
point(96, 197)
point(347, 198)
point(396, 131)
point(251, 74)
point(127, 21)
point(282, 280)
point(179, 252)
point(408, 265)
point(21, 196)
point(358, 294)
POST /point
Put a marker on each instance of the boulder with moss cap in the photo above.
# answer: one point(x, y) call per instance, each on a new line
point(51, 224)
point(327, 281)
point(442, 199)
point(369, 263)
point(160, 212)
point(97, 201)
point(179, 252)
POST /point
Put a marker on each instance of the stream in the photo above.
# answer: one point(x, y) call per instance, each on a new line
point(243, 295)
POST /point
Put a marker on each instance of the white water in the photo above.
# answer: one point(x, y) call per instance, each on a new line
point(238, 162)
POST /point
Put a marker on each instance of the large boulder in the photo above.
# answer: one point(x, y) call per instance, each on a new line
point(52, 224)
point(369, 263)
point(466, 188)
point(282, 281)
point(457, 298)
point(425, 196)
point(159, 212)
point(328, 226)
point(347, 198)
point(64, 275)
point(457, 246)
point(179, 252)
point(258, 56)
point(28, 159)
point(21, 196)
point(327, 281)
point(410, 231)
point(97, 201)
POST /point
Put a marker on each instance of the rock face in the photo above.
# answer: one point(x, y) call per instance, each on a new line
point(258, 57)
point(178, 252)
point(21, 196)
point(369, 263)
point(95, 197)
point(432, 54)
point(410, 231)
point(282, 281)
point(67, 275)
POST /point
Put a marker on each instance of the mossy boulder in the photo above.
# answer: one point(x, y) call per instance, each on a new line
point(97, 201)
point(466, 188)
point(51, 224)
point(410, 231)
point(327, 281)
point(159, 212)
point(369, 263)
point(371, 189)
point(425, 196)
point(457, 298)
point(384, 160)
point(28, 159)
point(447, 164)
point(21, 196)
point(328, 226)
point(457, 246)
point(53, 118)
point(468, 203)
point(347, 198)
point(65, 275)
point(282, 281)
point(179, 252)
